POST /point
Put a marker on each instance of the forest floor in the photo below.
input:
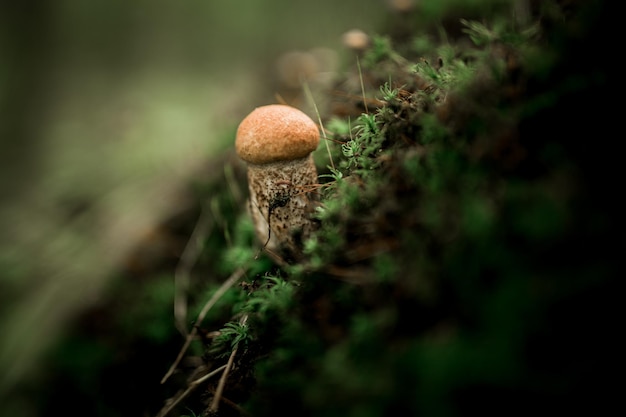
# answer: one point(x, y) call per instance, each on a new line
point(461, 262)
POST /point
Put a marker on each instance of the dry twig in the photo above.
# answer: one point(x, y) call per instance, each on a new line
point(192, 385)
point(235, 276)
point(220, 386)
point(183, 269)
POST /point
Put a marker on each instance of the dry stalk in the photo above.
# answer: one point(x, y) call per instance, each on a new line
point(220, 386)
point(183, 269)
point(234, 277)
point(192, 385)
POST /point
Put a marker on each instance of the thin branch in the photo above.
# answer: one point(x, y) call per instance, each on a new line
point(185, 265)
point(235, 276)
point(192, 385)
point(235, 406)
point(220, 386)
point(358, 64)
point(309, 94)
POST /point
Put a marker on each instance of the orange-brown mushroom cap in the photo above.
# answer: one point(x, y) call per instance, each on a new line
point(276, 132)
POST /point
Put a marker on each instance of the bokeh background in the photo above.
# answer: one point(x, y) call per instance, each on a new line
point(108, 109)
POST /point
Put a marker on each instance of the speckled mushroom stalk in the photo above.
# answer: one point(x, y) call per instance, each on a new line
point(276, 141)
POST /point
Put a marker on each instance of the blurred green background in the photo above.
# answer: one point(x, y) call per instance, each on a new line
point(109, 108)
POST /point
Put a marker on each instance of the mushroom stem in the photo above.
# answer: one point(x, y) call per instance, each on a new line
point(280, 201)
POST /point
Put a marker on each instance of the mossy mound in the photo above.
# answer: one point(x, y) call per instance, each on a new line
point(463, 261)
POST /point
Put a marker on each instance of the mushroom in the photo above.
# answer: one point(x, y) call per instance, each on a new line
point(276, 141)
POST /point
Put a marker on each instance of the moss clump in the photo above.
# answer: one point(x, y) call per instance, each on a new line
point(454, 235)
